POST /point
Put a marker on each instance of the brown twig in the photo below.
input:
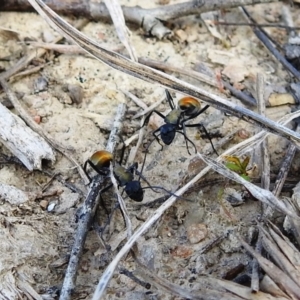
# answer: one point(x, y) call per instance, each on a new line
point(152, 20)
point(257, 25)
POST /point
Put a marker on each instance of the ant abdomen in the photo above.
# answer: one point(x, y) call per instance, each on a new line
point(190, 106)
point(101, 159)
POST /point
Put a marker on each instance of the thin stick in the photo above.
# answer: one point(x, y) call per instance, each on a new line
point(288, 158)
point(275, 25)
point(284, 168)
point(87, 211)
point(130, 275)
point(265, 176)
point(151, 20)
point(149, 109)
point(135, 99)
point(121, 203)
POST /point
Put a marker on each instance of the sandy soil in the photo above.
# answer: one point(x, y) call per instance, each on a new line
point(36, 243)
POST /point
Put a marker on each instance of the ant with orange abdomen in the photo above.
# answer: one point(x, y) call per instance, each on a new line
point(175, 121)
point(100, 162)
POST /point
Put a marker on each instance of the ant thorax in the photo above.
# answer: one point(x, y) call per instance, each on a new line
point(173, 117)
point(122, 175)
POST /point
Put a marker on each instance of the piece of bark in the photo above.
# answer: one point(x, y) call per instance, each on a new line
point(24, 143)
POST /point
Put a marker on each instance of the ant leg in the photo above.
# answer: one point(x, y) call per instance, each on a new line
point(100, 172)
point(170, 99)
point(101, 198)
point(186, 138)
point(196, 115)
point(156, 137)
point(99, 230)
point(186, 142)
point(103, 204)
point(206, 133)
point(123, 151)
point(109, 214)
point(144, 161)
point(148, 117)
point(117, 205)
point(133, 168)
point(85, 171)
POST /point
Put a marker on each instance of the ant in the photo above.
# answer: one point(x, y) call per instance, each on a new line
point(100, 162)
point(175, 121)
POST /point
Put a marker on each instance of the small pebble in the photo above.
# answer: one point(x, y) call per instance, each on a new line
point(44, 204)
point(182, 251)
point(40, 84)
point(75, 93)
point(243, 133)
point(196, 233)
point(37, 119)
point(51, 206)
point(181, 35)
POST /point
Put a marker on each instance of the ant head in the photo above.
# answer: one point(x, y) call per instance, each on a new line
point(134, 191)
point(189, 106)
point(167, 133)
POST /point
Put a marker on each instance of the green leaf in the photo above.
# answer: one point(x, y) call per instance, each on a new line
point(233, 167)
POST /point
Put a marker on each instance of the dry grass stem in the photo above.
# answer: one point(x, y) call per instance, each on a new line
point(121, 202)
point(117, 16)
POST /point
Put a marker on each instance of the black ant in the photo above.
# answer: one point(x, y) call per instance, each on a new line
point(175, 121)
point(100, 162)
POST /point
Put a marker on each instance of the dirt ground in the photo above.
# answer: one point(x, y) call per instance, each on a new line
point(36, 242)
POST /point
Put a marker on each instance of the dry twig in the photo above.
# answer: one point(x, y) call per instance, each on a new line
point(117, 16)
point(151, 20)
point(122, 204)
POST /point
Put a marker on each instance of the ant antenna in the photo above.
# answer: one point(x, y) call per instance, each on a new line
point(170, 99)
point(144, 160)
point(205, 131)
point(156, 187)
